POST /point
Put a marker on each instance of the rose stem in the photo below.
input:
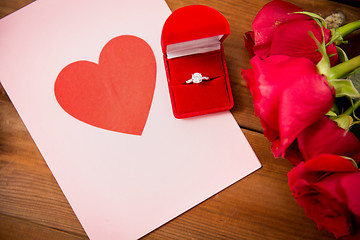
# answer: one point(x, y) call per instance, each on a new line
point(350, 110)
point(348, 28)
point(341, 70)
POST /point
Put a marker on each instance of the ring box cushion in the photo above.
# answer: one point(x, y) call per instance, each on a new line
point(192, 42)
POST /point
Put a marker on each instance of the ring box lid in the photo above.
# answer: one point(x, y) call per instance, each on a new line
point(193, 28)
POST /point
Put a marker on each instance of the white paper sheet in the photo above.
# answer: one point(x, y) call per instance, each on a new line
point(120, 186)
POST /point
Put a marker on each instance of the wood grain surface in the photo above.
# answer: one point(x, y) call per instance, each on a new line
point(260, 206)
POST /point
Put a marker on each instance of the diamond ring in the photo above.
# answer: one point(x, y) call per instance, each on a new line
point(196, 78)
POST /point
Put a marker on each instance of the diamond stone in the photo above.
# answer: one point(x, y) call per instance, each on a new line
point(197, 78)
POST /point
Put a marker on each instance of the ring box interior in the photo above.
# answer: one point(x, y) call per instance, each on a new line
point(191, 42)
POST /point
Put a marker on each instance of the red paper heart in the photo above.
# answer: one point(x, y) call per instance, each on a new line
point(116, 93)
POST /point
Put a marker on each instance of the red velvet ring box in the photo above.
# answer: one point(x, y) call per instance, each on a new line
point(191, 42)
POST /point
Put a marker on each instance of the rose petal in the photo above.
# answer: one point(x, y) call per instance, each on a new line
point(296, 174)
point(293, 39)
point(325, 136)
point(249, 42)
point(289, 95)
point(303, 103)
point(351, 186)
point(266, 21)
point(330, 163)
point(293, 154)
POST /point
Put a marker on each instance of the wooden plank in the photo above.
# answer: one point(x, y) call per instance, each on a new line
point(10, 6)
point(20, 229)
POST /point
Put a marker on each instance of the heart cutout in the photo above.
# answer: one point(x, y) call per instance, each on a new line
point(115, 94)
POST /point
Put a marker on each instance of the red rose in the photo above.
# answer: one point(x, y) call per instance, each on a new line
point(288, 95)
point(277, 30)
point(324, 136)
point(327, 187)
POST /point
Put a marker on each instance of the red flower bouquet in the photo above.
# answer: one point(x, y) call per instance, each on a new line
point(306, 93)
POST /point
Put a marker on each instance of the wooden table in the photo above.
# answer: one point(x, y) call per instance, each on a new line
point(260, 206)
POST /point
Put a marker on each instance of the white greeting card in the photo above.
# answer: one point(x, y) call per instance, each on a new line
point(87, 79)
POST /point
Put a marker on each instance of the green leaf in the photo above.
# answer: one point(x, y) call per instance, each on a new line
point(334, 111)
point(355, 79)
point(355, 122)
point(323, 65)
point(336, 38)
point(314, 16)
point(351, 110)
point(352, 161)
point(344, 87)
point(344, 121)
point(342, 55)
point(331, 114)
point(354, 107)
